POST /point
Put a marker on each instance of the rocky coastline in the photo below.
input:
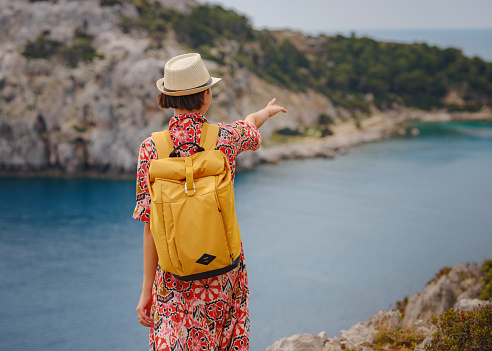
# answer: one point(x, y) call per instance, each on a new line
point(346, 135)
point(87, 118)
point(457, 288)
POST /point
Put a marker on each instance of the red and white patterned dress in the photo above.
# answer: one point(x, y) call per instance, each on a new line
point(206, 314)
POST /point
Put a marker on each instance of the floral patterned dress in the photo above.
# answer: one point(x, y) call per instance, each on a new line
point(206, 314)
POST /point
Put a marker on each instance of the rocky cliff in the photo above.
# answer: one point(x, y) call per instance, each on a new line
point(77, 84)
point(71, 114)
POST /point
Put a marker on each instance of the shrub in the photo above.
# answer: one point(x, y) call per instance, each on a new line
point(324, 119)
point(399, 337)
point(442, 272)
point(81, 49)
point(110, 2)
point(42, 47)
point(152, 17)
point(325, 131)
point(288, 132)
point(209, 22)
point(465, 331)
point(401, 305)
point(487, 281)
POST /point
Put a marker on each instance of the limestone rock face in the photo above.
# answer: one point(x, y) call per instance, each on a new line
point(463, 281)
point(22, 147)
point(94, 116)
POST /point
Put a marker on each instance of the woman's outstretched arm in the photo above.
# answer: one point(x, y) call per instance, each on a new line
point(259, 117)
point(150, 264)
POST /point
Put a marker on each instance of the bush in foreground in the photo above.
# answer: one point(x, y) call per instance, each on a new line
point(398, 337)
point(487, 281)
point(465, 331)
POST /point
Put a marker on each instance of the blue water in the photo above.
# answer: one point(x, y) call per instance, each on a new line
point(327, 242)
point(473, 42)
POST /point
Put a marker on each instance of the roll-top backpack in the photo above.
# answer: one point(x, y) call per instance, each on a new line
point(192, 214)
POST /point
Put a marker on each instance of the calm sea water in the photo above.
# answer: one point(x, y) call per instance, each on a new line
point(473, 42)
point(327, 242)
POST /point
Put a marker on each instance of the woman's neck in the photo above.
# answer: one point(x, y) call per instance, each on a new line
point(179, 111)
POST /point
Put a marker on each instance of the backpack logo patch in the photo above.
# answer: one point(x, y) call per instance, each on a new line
point(206, 259)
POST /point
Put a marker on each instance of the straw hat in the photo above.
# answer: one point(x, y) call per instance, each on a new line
point(185, 75)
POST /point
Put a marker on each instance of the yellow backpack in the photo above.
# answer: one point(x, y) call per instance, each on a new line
point(192, 214)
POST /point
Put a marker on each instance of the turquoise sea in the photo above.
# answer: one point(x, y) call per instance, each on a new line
point(328, 243)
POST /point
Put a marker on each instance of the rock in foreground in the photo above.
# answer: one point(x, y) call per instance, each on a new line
point(456, 288)
point(300, 342)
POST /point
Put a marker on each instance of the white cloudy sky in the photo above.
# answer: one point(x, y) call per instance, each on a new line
point(342, 15)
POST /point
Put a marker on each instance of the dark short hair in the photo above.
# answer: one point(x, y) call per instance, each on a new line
point(185, 102)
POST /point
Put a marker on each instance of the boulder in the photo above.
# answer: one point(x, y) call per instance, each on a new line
point(361, 335)
point(465, 305)
point(423, 343)
point(300, 342)
point(333, 345)
point(434, 299)
point(439, 296)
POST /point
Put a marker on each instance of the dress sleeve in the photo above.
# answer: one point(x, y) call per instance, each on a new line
point(243, 135)
point(146, 153)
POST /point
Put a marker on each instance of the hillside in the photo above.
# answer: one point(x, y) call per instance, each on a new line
point(344, 69)
point(77, 78)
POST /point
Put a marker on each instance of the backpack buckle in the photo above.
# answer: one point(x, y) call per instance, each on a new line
point(186, 188)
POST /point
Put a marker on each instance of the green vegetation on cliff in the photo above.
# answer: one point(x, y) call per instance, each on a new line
point(399, 337)
point(346, 69)
point(199, 29)
point(465, 331)
point(42, 47)
point(81, 48)
point(487, 281)
point(343, 68)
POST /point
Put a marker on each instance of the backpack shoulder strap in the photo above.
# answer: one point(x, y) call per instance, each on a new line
point(210, 132)
point(163, 143)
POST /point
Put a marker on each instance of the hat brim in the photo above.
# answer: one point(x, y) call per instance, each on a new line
point(160, 84)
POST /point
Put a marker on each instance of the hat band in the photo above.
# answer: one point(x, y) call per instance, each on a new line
point(209, 81)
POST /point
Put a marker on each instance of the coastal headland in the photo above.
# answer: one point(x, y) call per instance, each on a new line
point(377, 127)
point(77, 83)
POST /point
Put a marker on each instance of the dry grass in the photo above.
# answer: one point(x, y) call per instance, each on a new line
point(399, 337)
